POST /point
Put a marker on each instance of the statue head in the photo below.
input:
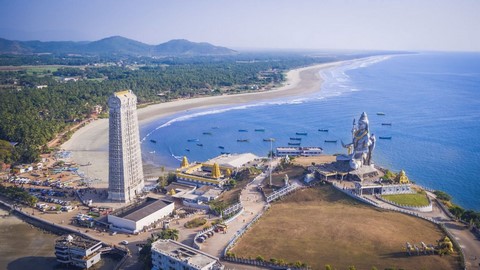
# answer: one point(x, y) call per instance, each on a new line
point(363, 122)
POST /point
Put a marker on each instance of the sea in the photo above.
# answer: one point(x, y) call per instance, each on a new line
point(431, 100)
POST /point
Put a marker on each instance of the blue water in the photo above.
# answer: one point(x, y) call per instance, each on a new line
point(431, 99)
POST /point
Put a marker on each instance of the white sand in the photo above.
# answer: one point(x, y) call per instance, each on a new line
point(90, 143)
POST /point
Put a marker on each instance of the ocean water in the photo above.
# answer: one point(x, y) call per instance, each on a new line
point(432, 101)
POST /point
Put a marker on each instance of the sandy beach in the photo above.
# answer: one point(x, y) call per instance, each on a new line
point(90, 143)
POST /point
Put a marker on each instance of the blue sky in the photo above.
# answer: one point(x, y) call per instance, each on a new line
point(276, 24)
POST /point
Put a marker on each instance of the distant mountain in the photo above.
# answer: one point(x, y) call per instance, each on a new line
point(185, 47)
point(113, 45)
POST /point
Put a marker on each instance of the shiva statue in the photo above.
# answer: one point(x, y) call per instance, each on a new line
point(361, 148)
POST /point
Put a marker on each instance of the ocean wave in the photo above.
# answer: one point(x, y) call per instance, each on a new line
point(335, 79)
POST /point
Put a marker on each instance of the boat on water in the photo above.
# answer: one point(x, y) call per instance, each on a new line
point(386, 124)
point(269, 140)
point(221, 147)
point(301, 133)
point(214, 127)
point(380, 113)
point(292, 143)
point(153, 141)
point(260, 130)
point(242, 140)
point(225, 153)
point(242, 130)
point(323, 130)
point(199, 144)
point(207, 133)
point(295, 139)
point(385, 137)
point(331, 141)
point(186, 149)
point(192, 140)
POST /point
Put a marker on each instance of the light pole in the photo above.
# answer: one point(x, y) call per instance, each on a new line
point(271, 158)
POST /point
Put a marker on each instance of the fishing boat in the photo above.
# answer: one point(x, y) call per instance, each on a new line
point(386, 124)
point(380, 113)
point(153, 141)
point(292, 143)
point(207, 133)
point(301, 133)
point(242, 130)
point(323, 130)
point(242, 140)
point(199, 144)
point(331, 141)
point(269, 140)
point(192, 140)
point(295, 139)
point(260, 130)
point(385, 137)
point(221, 147)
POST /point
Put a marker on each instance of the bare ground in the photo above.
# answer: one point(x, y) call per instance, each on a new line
point(322, 226)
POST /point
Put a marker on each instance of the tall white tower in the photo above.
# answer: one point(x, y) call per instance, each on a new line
point(125, 173)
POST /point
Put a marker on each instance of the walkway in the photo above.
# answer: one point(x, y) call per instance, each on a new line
point(253, 203)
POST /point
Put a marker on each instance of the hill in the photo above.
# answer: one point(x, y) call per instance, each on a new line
point(113, 45)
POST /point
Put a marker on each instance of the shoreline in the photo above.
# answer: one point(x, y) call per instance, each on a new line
point(89, 144)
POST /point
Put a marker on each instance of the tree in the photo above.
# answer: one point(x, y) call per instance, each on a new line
point(328, 267)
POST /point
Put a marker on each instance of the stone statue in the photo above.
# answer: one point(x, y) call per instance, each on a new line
point(361, 148)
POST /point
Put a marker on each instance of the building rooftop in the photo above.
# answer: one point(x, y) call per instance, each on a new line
point(232, 160)
point(144, 209)
point(183, 253)
point(75, 241)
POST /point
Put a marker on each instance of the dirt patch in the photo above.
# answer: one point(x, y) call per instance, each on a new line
point(307, 161)
point(322, 226)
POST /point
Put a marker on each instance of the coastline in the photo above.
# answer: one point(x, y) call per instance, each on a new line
point(89, 144)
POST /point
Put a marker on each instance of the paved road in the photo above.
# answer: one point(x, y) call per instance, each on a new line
point(253, 203)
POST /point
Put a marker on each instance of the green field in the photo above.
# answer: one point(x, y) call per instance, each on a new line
point(415, 199)
point(322, 226)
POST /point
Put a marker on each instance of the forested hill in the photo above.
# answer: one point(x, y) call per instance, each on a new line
point(113, 45)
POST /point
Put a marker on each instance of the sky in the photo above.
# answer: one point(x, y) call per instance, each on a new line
point(417, 25)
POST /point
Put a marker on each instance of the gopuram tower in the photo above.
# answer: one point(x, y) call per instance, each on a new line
point(125, 173)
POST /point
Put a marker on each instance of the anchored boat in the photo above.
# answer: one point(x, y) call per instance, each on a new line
point(301, 133)
point(331, 141)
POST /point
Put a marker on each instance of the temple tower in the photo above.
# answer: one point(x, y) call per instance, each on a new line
point(125, 173)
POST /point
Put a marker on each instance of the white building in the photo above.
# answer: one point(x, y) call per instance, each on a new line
point(125, 173)
point(137, 217)
point(299, 151)
point(171, 255)
point(77, 251)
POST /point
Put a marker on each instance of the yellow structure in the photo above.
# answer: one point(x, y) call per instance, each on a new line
point(228, 173)
point(203, 174)
point(184, 162)
point(401, 178)
point(216, 171)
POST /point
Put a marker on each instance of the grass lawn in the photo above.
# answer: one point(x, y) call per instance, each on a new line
point(322, 226)
point(414, 199)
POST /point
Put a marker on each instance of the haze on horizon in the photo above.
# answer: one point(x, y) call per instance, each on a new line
point(268, 24)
